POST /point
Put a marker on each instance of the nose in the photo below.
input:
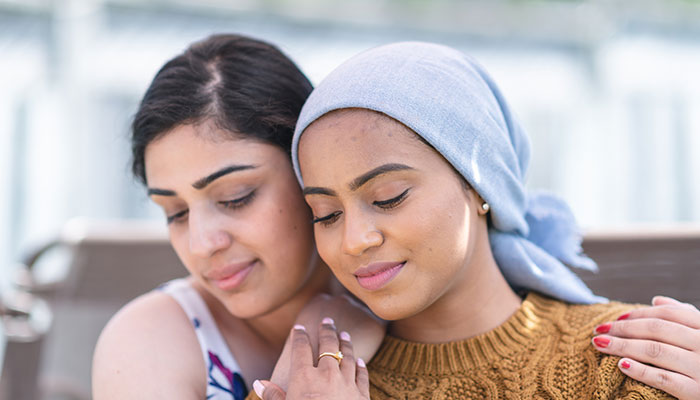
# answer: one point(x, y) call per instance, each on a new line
point(206, 234)
point(360, 234)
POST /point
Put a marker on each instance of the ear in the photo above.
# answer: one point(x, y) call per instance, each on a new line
point(474, 199)
point(482, 207)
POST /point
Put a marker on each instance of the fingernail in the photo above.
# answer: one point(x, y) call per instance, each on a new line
point(361, 363)
point(623, 316)
point(344, 336)
point(601, 342)
point(604, 328)
point(328, 321)
point(625, 364)
point(300, 327)
point(259, 388)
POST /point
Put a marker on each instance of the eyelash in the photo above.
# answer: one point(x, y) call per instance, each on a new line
point(239, 202)
point(383, 204)
point(175, 217)
point(230, 204)
point(328, 219)
point(393, 202)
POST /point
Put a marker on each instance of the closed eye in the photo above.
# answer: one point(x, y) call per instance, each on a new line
point(177, 217)
point(239, 202)
point(393, 202)
point(328, 219)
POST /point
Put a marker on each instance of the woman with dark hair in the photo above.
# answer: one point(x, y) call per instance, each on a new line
point(211, 143)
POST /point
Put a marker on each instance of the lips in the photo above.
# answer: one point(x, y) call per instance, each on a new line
point(377, 275)
point(230, 276)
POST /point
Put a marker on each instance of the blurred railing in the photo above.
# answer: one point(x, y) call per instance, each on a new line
point(108, 264)
point(114, 262)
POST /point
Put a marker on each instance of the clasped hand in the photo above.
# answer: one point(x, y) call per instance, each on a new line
point(330, 378)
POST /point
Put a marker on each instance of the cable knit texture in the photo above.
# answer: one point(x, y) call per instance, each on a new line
point(543, 351)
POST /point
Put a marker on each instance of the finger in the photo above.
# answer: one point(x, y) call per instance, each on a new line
point(675, 384)
point(688, 316)
point(661, 355)
point(362, 378)
point(302, 355)
point(655, 329)
point(664, 300)
point(327, 342)
point(268, 391)
point(347, 366)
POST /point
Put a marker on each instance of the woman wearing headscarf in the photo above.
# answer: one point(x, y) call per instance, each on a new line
point(414, 166)
point(210, 143)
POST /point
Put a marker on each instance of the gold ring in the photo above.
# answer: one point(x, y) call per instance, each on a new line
point(338, 356)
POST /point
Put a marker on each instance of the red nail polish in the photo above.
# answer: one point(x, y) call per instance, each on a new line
point(601, 342)
point(623, 316)
point(625, 364)
point(605, 328)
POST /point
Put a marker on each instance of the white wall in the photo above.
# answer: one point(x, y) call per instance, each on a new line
point(615, 126)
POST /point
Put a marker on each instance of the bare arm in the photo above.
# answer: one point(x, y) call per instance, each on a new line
point(148, 351)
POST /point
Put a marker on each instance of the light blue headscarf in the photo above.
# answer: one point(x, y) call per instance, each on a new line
point(450, 101)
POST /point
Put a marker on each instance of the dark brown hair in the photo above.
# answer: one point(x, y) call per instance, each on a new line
point(244, 86)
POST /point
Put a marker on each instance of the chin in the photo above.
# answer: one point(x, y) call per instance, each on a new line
point(250, 307)
point(389, 310)
point(248, 312)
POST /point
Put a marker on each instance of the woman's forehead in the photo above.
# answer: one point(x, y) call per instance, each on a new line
point(359, 123)
point(351, 143)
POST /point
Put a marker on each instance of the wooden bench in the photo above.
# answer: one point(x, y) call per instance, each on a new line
point(113, 263)
point(637, 264)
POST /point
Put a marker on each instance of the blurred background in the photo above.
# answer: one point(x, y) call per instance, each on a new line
point(609, 92)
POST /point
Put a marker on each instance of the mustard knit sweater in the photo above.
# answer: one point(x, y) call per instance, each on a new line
point(543, 351)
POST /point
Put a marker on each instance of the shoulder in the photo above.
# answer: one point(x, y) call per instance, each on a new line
point(149, 350)
point(570, 365)
point(578, 317)
point(613, 384)
point(588, 316)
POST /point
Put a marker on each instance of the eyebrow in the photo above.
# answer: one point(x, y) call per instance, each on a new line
point(202, 183)
point(160, 192)
point(382, 169)
point(318, 190)
point(360, 180)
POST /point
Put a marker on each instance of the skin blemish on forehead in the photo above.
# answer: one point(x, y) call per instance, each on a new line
point(328, 123)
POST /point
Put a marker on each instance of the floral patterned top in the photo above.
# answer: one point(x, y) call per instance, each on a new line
point(224, 381)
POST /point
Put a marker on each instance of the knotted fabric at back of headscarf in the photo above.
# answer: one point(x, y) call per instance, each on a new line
point(450, 101)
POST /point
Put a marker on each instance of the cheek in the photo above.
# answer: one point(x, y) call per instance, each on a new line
point(180, 243)
point(293, 236)
point(285, 226)
point(293, 214)
point(329, 245)
point(441, 230)
point(326, 249)
point(453, 240)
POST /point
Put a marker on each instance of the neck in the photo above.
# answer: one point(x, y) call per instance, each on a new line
point(274, 326)
point(477, 302)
